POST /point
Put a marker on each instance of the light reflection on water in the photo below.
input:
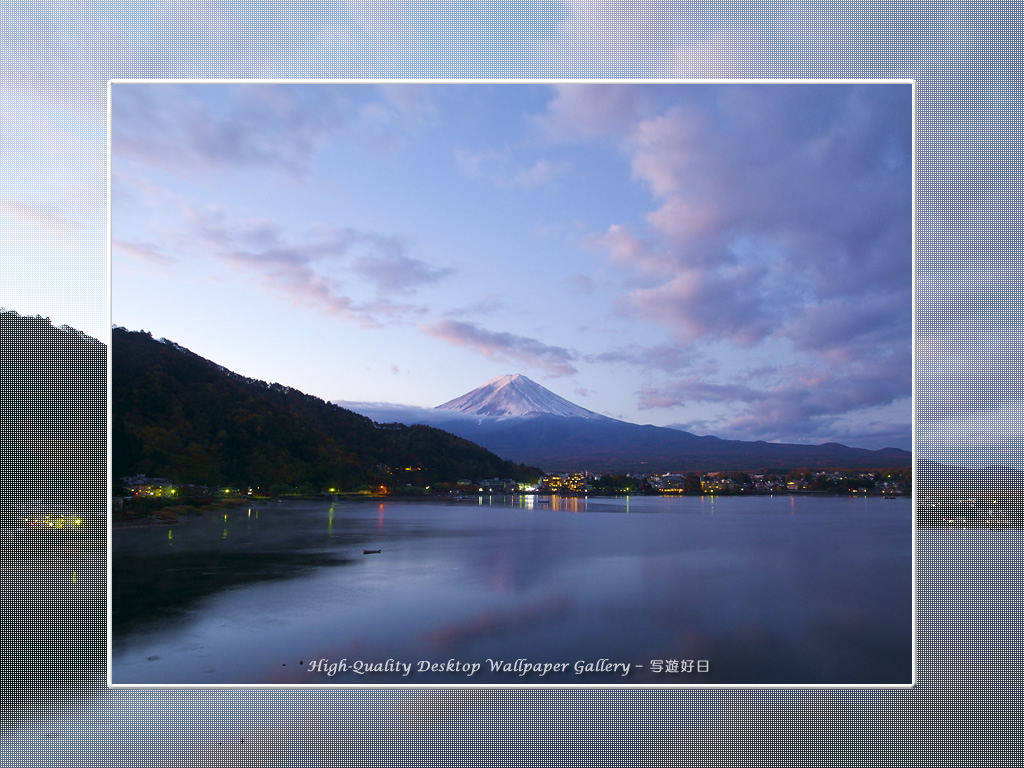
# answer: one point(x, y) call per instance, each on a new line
point(766, 589)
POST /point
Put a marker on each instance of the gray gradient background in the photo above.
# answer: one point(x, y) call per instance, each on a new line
point(965, 59)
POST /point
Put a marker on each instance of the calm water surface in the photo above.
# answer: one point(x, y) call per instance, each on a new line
point(790, 590)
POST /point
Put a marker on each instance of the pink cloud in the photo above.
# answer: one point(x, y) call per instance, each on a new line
point(309, 269)
point(147, 252)
point(670, 148)
point(766, 201)
point(584, 110)
point(726, 303)
point(684, 220)
point(627, 250)
point(505, 347)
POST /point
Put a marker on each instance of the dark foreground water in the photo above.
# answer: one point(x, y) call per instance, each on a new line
point(781, 590)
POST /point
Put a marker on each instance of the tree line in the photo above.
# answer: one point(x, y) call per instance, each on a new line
point(179, 416)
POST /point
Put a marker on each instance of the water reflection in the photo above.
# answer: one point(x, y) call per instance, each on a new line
point(569, 503)
point(770, 595)
point(254, 727)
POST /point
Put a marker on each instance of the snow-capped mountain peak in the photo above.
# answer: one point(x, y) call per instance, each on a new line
point(515, 395)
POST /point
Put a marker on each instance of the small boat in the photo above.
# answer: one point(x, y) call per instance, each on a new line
point(371, 551)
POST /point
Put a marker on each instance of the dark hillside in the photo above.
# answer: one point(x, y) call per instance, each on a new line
point(180, 416)
point(53, 410)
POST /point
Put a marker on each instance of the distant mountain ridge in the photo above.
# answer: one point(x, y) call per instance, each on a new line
point(522, 421)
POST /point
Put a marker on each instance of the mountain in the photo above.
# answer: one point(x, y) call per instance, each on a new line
point(522, 421)
point(53, 415)
point(180, 416)
point(941, 481)
point(515, 395)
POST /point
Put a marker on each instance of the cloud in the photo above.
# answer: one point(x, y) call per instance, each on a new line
point(771, 204)
point(240, 126)
point(318, 267)
point(796, 399)
point(623, 38)
point(593, 111)
point(671, 358)
point(847, 329)
point(503, 169)
point(969, 397)
point(486, 303)
point(185, 126)
point(147, 252)
point(38, 215)
point(626, 250)
point(727, 303)
point(505, 347)
point(384, 261)
point(538, 173)
point(581, 283)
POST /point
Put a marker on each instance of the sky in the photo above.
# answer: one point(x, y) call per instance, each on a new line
point(734, 259)
point(57, 58)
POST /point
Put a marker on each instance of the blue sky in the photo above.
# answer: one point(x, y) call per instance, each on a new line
point(732, 258)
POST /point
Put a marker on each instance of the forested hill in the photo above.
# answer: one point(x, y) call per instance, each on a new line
point(53, 409)
point(180, 416)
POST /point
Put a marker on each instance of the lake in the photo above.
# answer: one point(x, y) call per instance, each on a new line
point(499, 590)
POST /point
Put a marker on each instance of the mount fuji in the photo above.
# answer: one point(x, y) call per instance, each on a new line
point(515, 396)
point(521, 421)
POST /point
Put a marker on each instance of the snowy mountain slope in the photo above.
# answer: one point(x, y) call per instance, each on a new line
point(516, 396)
